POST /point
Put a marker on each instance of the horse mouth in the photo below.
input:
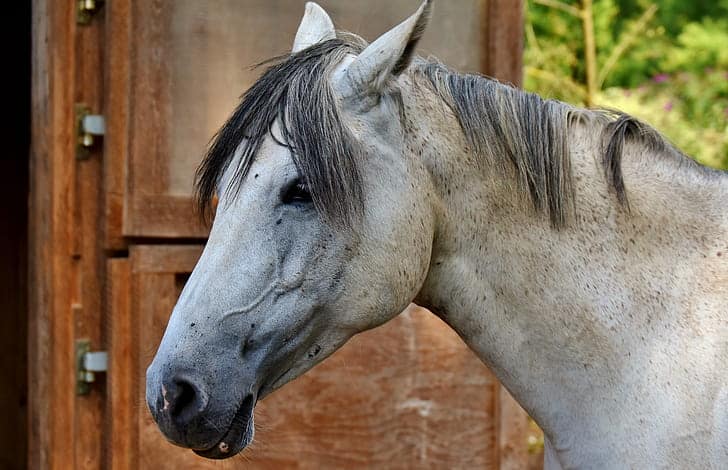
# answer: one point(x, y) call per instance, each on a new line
point(239, 433)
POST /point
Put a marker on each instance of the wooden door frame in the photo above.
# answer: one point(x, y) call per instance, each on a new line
point(503, 22)
point(66, 281)
point(47, 240)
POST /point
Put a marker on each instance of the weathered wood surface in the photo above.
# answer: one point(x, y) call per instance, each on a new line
point(50, 350)
point(120, 443)
point(65, 257)
point(89, 260)
point(117, 83)
point(503, 40)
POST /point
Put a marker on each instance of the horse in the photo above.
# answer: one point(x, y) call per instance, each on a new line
point(580, 255)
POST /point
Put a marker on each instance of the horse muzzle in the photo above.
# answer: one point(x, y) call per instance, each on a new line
point(182, 407)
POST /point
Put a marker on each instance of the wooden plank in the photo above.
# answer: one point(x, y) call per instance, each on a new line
point(154, 293)
point(165, 259)
point(87, 229)
point(148, 115)
point(51, 398)
point(121, 439)
point(117, 82)
point(503, 40)
point(163, 216)
point(149, 133)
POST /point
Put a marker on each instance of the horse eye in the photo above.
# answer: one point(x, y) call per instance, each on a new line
point(297, 193)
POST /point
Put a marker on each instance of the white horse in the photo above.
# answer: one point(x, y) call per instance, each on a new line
point(581, 257)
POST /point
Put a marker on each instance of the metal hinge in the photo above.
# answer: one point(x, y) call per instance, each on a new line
point(88, 128)
point(86, 10)
point(88, 364)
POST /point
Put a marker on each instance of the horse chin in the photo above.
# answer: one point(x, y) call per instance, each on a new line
point(238, 436)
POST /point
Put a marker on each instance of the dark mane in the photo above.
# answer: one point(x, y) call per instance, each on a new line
point(511, 126)
point(507, 125)
point(618, 129)
point(295, 91)
point(504, 125)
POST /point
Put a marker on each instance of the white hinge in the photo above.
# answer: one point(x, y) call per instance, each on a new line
point(89, 128)
point(88, 364)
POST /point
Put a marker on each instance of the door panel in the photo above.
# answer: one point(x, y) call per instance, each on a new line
point(189, 61)
point(407, 394)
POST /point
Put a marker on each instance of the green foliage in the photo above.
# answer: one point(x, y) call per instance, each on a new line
point(699, 45)
point(695, 119)
point(667, 66)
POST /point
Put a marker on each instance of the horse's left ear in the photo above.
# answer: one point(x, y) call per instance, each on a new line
point(316, 26)
point(389, 55)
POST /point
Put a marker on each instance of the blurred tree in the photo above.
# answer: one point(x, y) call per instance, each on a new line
point(667, 59)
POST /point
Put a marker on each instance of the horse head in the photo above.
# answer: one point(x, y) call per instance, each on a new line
point(317, 235)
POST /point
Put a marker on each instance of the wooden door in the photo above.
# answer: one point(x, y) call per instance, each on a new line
point(408, 394)
point(179, 66)
point(108, 257)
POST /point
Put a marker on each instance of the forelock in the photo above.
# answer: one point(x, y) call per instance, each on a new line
point(296, 91)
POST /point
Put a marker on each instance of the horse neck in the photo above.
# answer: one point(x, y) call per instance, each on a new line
point(566, 317)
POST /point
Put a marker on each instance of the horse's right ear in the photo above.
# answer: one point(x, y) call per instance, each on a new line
point(316, 27)
point(388, 56)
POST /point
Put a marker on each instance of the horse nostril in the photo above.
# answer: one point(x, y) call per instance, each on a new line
point(184, 400)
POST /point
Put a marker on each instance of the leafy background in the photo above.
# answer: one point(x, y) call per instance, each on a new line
point(665, 62)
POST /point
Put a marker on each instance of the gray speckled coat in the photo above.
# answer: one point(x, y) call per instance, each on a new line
point(580, 256)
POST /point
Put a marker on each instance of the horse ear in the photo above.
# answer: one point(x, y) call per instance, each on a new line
point(389, 55)
point(316, 27)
